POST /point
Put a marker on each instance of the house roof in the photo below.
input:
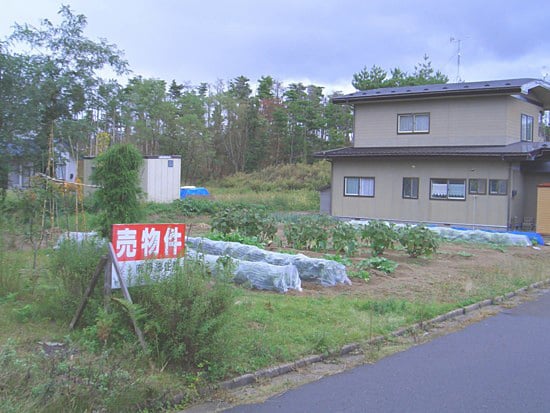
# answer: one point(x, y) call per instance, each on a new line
point(518, 150)
point(539, 88)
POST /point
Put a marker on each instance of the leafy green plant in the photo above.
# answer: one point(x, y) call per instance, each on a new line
point(236, 237)
point(418, 240)
point(360, 273)
point(379, 236)
point(379, 263)
point(338, 258)
point(309, 232)
point(344, 238)
point(245, 221)
point(185, 315)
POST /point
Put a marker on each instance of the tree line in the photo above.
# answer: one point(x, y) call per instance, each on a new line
point(53, 99)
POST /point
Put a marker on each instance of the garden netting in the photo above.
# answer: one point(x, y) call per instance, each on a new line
point(325, 272)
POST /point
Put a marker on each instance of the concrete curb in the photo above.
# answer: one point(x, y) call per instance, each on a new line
point(279, 370)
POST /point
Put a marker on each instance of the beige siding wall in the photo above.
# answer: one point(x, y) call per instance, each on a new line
point(517, 107)
point(388, 204)
point(490, 120)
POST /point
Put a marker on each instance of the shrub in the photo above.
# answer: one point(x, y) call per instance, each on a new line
point(344, 238)
point(379, 236)
point(309, 232)
point(10, 262)
point(245, 221)
point(185, 313)
point(117, 172)
point(418, 240)
point(72, 266)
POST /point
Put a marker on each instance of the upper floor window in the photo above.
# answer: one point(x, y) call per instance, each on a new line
point(358, 186)
point(413, 123)
point(526, 127)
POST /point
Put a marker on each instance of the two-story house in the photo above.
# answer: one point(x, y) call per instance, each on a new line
point(468, 154)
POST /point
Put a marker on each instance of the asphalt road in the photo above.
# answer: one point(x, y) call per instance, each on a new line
point(501, 364)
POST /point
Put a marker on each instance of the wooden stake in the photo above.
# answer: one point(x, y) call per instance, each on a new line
point(126, 295)
point(88, 293)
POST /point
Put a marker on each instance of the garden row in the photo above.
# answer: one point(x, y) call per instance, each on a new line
point(323, 233)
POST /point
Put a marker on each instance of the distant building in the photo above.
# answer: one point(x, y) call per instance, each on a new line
point(467, 154)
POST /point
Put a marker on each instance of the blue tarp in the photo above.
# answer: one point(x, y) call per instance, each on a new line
point(197, 191)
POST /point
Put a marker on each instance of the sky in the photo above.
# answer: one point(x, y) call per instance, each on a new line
point(320, 42)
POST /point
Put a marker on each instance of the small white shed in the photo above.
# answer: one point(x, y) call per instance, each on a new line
point(160, 178)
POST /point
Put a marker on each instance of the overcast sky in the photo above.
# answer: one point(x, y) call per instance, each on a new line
point(310, 41)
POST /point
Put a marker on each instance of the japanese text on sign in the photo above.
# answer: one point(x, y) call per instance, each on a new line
point(134, 242)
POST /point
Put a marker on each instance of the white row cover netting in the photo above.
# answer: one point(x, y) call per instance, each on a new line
point(474, 235)
point(501, 238)
point(325, 272)
point(259, 275)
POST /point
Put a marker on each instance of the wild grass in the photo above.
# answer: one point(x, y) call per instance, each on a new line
point(281, 178)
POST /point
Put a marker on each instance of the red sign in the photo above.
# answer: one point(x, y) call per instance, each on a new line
point(135, 242)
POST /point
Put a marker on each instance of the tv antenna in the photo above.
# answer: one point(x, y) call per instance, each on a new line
point(458, 49)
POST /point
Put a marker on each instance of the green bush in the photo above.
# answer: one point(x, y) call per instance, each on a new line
point(185, 315)
point(344, 238)
point(418, 240)
point(309, 232)
point(117, 173)
point(245, 221)
point(11, 262)
point(379, 236)
point(72, 265)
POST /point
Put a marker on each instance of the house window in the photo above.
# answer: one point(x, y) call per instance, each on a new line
point(477, 186)
point(356, 186)
point(526, 127)
point(410, 188)
point(447, 189)
point(413, 123)
point(498, 186)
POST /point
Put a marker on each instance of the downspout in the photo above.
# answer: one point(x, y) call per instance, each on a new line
point(510, 197)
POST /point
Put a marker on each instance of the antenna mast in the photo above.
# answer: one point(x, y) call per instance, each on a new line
point(458, 43)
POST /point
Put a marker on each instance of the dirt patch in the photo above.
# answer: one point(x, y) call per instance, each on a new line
point(457, 269)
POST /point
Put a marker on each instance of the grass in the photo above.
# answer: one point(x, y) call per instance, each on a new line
point(263, 329)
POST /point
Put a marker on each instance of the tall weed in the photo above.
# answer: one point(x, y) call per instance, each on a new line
point(185, 315)
point(72, 266)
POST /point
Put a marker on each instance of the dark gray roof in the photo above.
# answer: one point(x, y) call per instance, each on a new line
point(443, 89)
point(519, 150)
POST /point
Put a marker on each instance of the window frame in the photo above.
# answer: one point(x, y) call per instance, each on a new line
point(477, 191)
point(413, 130)
point(361, 179)
point(412, 180)
point(447, 182)
point(498, 192)
point(527, 126)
